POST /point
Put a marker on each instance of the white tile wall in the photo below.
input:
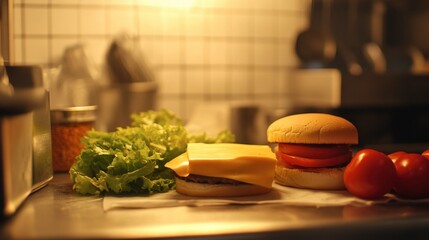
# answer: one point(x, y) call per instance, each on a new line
point(64, 21)
point(200, 50)
point(218, 83)
point(92, 21)
point(35, 21)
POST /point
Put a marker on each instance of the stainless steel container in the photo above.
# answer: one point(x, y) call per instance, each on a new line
point(249, 123)
point(16, 160)
point(42, 146)
point(25, 143)
point(118, 101)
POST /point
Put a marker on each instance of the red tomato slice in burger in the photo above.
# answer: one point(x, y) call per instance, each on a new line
point(312, 162)
point(314, 150)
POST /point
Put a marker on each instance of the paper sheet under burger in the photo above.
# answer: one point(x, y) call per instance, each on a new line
point(280, 195)
point(195, 163)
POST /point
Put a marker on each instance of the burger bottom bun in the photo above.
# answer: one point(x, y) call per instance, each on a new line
point(218, 190)
point(312, 178)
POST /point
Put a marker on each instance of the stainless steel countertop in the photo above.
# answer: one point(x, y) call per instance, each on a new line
point(57, 212)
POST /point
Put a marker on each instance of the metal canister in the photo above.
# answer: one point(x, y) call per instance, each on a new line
point(69, 126)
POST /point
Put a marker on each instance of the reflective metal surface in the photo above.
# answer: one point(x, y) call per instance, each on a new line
point(57, 212)
point(16, 142)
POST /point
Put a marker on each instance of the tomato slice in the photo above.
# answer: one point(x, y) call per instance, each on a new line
point(314, 150)
point(288, 160)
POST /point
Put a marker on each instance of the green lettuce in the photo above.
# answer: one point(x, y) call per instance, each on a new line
point(132, 159)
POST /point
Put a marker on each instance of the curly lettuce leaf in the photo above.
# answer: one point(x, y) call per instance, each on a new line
point(132, 159)
point(222, 137)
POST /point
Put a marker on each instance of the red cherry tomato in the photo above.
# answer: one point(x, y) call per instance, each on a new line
point(426, 154)
point(314, 150)
point(288, 160)
point(413, 176)
point(394, 156)
point(370, 174)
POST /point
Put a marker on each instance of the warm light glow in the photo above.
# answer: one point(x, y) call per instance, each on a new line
point(172, 3)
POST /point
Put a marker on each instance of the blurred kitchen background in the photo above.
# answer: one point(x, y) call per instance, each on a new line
point(364, 60)
point(199, 50)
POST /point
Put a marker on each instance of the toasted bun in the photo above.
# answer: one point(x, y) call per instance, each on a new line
point(218, 190)
point(311, 178)
point(312, 128)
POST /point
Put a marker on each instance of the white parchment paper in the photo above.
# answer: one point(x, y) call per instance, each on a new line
point(280, 195)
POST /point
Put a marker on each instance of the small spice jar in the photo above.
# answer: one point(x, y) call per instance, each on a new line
point(68, 126)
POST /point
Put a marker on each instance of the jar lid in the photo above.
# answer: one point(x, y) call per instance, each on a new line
point(73, 114)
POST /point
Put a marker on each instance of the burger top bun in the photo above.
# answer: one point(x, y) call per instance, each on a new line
point(312, 128)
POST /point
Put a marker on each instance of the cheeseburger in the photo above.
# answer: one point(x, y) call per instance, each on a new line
point(313, 150)
point(224, 170)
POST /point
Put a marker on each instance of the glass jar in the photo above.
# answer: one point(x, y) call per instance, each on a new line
point(68, 126)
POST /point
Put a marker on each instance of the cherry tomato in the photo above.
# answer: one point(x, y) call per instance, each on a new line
point(370, 174)
point(312, 163)
point(394, 156)
point(426, 154)
point(413, 176)
point(314, 150)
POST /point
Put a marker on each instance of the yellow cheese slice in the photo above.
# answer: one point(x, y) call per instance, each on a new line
point(252, 164)
point(180, 165)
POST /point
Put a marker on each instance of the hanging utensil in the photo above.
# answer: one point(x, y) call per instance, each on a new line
point(317, 43)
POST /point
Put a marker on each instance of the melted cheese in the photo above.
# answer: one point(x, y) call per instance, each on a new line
point(180, 165)
point(252, 164)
